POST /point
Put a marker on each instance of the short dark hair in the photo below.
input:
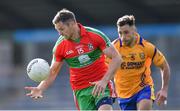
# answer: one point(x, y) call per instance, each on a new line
point(64, 15)
point(126, 20)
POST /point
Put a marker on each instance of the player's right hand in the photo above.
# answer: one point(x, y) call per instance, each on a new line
point(99, 87)
point(35, 92)
point(161, 97)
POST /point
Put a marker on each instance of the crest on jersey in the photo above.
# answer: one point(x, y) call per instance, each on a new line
point(90, 46)
point(142, 55)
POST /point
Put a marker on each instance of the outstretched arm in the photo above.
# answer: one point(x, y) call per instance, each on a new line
point(36, 92)
point(56, 66)
point(165, 76)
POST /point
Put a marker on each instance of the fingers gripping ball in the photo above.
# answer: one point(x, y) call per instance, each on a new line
point(38, 69)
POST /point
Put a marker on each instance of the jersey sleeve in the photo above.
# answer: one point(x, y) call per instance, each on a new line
point(155, 54)
point(58, 54)
point(58, 51)
point(116, 44)
point(104, 41)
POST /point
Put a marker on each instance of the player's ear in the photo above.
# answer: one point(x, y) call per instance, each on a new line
point(70, 23)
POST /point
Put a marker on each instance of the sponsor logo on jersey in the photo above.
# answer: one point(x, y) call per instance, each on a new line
point(69, 52)
point(132, 65)
point(83, 58)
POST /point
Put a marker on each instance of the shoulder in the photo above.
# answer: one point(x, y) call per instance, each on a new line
point(143, 42)
point(95, 31)
point(148, 44)
point(90, 29)
point(58, 42)
point(150, 49)
point(99, 35)
point(60, 39)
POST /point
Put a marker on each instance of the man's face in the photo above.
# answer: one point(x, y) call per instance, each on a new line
point(65, 29)
point(126, 33)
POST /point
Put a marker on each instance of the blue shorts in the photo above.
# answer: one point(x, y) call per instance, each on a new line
point(131, 103)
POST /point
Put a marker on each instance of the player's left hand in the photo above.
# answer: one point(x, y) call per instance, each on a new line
point(99, 87)
point(161, 97)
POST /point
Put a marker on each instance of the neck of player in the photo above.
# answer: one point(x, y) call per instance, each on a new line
point(76, 33)
point(133, 42)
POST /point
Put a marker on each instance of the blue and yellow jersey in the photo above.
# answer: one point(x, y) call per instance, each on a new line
point(135, 73)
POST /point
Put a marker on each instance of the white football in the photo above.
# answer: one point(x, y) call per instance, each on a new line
point(38, 69)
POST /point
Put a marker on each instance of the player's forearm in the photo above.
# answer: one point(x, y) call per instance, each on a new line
point(113, 66)
point(165, 74)
point(46, 83)
point(54, 70)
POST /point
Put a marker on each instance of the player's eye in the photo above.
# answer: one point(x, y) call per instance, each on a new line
point(126, 32)
point(61, 29)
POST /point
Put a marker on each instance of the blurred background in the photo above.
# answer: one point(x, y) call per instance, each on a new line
point(26, 32)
